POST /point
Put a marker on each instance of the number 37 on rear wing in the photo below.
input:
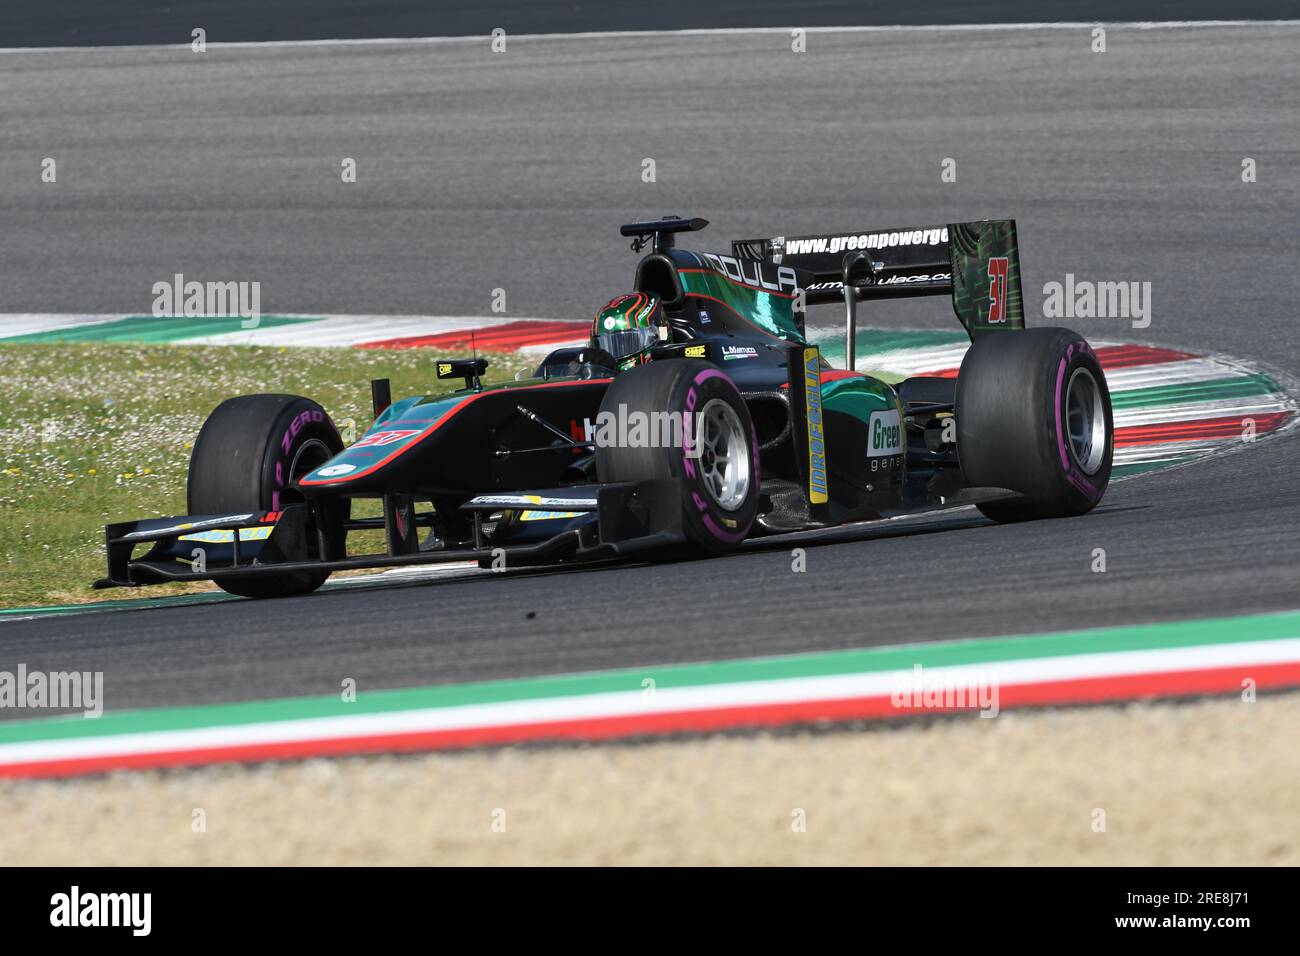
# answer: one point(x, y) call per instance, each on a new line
point(977, 263)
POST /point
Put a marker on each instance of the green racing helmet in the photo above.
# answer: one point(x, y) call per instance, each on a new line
point(626, 327)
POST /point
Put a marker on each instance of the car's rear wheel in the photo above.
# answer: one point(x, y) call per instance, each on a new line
point(720, 485)
point(1034, 415)
point(248, 453)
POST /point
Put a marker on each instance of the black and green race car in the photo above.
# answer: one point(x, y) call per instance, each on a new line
point(698, 415)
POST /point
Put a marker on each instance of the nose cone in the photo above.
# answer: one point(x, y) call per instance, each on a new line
point(395, 434)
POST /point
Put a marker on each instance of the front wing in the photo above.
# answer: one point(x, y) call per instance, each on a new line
point(628, 517)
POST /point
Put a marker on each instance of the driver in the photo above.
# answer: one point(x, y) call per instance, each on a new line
point(627, 327)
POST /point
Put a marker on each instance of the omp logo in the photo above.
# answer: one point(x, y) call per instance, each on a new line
point(885, 433)
point(812, 389)
point(696, 351)
point(380, 439)
point(133, 910)
point(870, 240)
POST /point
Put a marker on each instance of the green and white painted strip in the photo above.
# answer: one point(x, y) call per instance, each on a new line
point(499, 333)
point(1121, 663)
point(134, 329)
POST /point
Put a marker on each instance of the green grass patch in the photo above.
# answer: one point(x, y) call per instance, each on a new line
point(93, 433)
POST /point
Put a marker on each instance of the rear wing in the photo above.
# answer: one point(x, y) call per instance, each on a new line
point(977, 263)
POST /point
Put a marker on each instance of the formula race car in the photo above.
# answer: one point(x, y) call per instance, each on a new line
point(697, 416)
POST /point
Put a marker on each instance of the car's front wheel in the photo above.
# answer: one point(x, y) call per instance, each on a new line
point(719, 472)
point(247, 456)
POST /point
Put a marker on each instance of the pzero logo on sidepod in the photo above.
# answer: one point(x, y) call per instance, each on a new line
point(886, 434)
point(333, 471)
point(380, 439)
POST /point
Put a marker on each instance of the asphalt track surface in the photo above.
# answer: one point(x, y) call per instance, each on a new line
point(43, 23)
point(479, 171)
